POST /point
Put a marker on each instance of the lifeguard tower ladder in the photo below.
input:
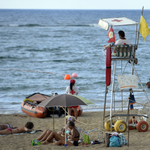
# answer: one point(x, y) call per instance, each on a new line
point(124, 55)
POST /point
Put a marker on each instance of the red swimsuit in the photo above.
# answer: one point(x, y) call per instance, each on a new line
point(72, 92)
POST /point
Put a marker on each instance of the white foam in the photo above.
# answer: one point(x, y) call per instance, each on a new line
point(94, 25)
point(13, 25)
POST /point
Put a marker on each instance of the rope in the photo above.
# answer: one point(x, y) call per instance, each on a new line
point(121, 106)
point(90, 124)
point(141, 103)
point(32, 71)
point(131, 101)
point(78, 121)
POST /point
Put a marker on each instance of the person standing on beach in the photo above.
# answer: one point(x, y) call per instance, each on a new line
point(121, 41)
point(72, 89)
point(148, 83)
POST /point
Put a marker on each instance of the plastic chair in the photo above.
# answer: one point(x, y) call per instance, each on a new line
point(124, 50)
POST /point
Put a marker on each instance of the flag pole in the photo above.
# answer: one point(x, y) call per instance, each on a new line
point(142, 10)
point(139, 27)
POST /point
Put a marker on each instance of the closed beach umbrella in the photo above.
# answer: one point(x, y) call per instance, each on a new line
point(64, 100)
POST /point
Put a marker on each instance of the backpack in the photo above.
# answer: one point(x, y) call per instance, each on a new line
point(114, 141)
point(122, 139)
point(107, 139)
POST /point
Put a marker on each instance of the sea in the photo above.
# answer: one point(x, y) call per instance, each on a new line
point(38, 47)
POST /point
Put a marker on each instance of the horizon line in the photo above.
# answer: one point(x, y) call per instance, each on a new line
point(63, 9)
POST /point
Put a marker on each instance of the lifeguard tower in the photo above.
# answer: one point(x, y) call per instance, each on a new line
point(120, 80)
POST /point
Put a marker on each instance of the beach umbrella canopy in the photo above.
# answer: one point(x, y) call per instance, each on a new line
point(86, 101)
point(64, 100)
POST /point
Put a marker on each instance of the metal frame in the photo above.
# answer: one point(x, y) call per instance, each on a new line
point(82, 132)
point(114, 90)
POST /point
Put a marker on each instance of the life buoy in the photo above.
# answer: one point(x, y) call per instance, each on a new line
point(130, 127)
point(142, 126)
point(108, 66)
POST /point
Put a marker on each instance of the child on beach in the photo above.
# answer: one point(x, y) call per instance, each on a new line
point(27, 128)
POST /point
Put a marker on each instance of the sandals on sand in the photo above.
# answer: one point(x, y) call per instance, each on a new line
point(96, 142)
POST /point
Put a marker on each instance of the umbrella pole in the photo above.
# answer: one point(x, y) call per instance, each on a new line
point(53, 119)
point(65, 128)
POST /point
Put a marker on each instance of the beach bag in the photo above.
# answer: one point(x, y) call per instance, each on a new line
point(122, 139)
point(114, 141)
point(107, 139)
point(86, 139)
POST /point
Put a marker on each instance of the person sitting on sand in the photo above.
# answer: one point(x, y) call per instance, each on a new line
point(73, 137)
point(72, 89)
point(72, 140)
point(148, 84)
point(61, 133)
point(121, 41)
point(27, 128)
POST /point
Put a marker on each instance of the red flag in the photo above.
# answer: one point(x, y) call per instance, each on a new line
point(111, 35)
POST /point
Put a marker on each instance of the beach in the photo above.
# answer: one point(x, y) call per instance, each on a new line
point(90, 120)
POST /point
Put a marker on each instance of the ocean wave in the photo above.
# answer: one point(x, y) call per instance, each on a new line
point(13, 25)
point(46, 26)
point(44, 49)
point(23, 25)
point(94, 25)
point(31, 25)
point(11, 112)
point(5, 57)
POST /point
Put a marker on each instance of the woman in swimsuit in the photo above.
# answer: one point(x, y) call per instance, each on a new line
point(73, 137)
point(5, 126)
point(72, 89)
point(72, 140)
point(43, 137)
point(27, 128)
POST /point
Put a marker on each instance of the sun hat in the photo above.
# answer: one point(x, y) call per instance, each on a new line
point(70, 118)
point(72, 81)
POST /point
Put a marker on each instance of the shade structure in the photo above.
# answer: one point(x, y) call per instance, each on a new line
point(86, 101)
point(121, 21)
point(64, 100)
